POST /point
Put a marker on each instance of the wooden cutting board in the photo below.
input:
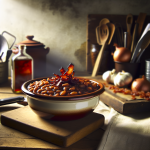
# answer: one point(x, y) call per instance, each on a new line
point(62, 133)
point(124, 103)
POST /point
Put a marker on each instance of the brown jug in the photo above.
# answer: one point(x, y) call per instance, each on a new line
point(38, 52)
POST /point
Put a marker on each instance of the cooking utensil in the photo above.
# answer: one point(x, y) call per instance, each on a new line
point(97, 35)
point(147, 69)
point(4, 45)
point(3, 48)
point(119, 34)
point(140, 55)
point(144, 32)
point(129, 21)
point(1, 57)
point(103, 21)
point(104, 34)
point(137, 30)
point(147, 28)
point(143, 48)
point(142, 41)
point(134, 37)
point(140, 21)
point(125, 38)
point(9, 52)
point(10, 100)
point(111, 27)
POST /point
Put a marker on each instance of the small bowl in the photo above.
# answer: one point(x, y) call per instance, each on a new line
point(62, 107)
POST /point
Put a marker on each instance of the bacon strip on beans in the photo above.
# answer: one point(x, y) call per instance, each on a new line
point(82, 86)
point(64, 85)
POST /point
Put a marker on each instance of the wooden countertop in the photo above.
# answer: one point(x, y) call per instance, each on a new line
point(11, 138)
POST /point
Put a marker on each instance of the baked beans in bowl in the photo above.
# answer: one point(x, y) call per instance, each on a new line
point(59, 99)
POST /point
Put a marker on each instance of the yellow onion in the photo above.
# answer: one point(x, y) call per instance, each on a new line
point(141, 84)
point(121, 54)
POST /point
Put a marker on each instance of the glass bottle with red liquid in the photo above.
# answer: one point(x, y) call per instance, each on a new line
point(21, 69)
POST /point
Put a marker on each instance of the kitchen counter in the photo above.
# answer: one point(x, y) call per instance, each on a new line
point(122, 132)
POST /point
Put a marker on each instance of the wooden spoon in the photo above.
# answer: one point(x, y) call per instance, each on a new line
point(140, 20)
point(138, 30)
point(103, 21)
point(134, 37)
point(104, 34)
point(97, 35)
point(129, 21)
point(111, 27)
point(119, 34)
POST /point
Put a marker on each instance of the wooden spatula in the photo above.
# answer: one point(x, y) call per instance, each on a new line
point(140, 21)
point(97, 35)
point(137, 30)
point(129, 21)
point(134, 37)
point(119, 34)
point(111, 27)
point(103, 21)
point(104, 34)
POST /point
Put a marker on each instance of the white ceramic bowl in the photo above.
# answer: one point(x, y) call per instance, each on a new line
point(62, 107)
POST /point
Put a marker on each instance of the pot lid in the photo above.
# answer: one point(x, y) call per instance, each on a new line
point(30, 41)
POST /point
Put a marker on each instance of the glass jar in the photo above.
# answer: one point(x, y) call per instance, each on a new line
point(21, 69)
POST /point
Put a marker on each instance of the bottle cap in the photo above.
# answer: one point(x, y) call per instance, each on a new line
point(22, 47)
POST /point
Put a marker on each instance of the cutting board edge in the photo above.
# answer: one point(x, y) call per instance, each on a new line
point(127, 107)
point(111, 101)
point(22, 127)
point(141, 106)
point(15, 123)
point(97, 124)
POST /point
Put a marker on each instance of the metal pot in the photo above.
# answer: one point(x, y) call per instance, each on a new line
point(38, 52)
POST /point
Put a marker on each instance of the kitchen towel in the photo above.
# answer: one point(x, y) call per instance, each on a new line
point(126, 132)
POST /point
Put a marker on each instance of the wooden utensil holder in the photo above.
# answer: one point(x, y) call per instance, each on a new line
point(132, 68)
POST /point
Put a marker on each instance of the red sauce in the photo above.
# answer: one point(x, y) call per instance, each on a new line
point(23, 73)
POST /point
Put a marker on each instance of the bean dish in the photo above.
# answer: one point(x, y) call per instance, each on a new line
point(63, 85)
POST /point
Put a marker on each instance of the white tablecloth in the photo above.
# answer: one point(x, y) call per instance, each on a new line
point(124, 132)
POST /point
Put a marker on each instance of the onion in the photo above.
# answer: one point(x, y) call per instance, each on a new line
point(141, 84)
point(121, 54)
